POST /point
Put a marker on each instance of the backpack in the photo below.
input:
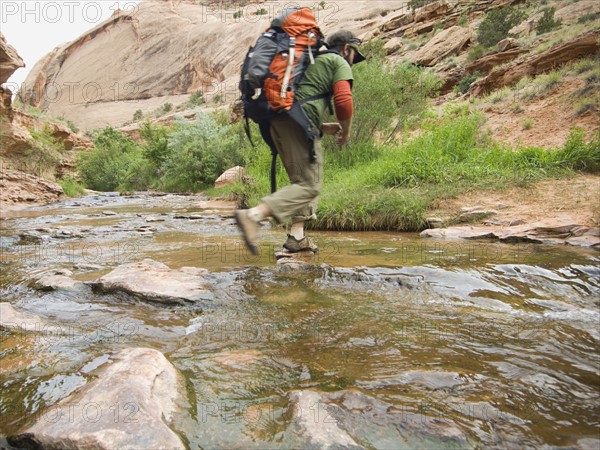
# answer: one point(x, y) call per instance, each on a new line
point(273, 69)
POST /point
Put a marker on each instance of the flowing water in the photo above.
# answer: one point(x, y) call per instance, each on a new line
point(502, 341)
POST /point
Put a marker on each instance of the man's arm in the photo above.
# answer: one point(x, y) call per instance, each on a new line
point(344, 109)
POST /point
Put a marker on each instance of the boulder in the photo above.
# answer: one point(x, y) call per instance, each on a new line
point(486, 63)
point(579, 47)
point(154, 281)
point(18, 188)
point(570, 13)
point(128, 405)
point(9, 60)
point(446, 43)
point(230, 176)
point(508, 44)
point(59, 283)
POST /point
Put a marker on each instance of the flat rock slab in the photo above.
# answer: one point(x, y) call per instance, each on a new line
point(14, 320)
point(536, 233)
point(128, 406)
point(155, 281)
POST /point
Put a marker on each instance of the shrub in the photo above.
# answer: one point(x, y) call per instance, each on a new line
point(71, 187)
point(547, 22)
point(399, 93)
point(156, 139)
point(465, 83)
point(114, 164)
point(167, 107)
point(138, 115)
point(196, 99)
point(588, 17)
point(476, 52)
point(198, 153)
point(527, 124)
point(496, 25)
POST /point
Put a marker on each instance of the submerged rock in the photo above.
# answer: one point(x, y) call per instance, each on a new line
point(11, 319)
point(128, 406)
point(350, 419)
point(155, 281)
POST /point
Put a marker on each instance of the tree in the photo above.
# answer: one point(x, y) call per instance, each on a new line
point(497, 23)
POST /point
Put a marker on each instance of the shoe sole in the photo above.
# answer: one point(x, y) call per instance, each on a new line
point(249, 245)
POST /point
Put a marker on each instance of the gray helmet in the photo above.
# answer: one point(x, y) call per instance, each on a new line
point(340, 38)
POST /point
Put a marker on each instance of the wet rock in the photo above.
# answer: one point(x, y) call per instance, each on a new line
point(11, 319)
point(29, 238)
point(446, 43)
point(343, 419)
point(59, 283)
point(322, 433)
point(128, 405)
point(555, 232)
point(155, 219)
point(155, 281)
point(87, 267)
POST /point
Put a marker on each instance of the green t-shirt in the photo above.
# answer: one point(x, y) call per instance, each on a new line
point(319, 79)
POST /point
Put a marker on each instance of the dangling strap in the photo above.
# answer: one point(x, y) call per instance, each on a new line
point(288, 71)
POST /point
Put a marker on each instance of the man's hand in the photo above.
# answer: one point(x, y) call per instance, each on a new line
point(341, 131)
point(331, 129)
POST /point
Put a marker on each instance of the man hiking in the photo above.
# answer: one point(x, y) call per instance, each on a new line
point(331, 73)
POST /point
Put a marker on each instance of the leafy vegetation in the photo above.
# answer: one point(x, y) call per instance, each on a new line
point(497, 23)
point(71, 187)
point(465, 83)
point(187, 157)
point(547, 22)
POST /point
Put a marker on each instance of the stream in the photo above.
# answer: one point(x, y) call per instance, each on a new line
point(499, 341)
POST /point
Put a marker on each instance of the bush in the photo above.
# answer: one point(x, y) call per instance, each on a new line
point(588, 17)
point(198, 153)
point(465, 83)
point(115, 164)
point(547, 22)
point(399, 93)
point(138, 115)
point(196, 99)
point(527, 124)
point(476, 52)
point(497, 23)
point(71, 187)
point(156, 140)
point(167, 107)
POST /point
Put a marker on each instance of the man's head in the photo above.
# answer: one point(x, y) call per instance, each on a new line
point(347, 44)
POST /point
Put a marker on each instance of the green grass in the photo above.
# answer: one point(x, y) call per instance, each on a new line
point(71, 187)
point(391, 187)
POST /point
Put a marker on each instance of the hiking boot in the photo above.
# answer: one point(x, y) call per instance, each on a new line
point(305, 244)
point(249, 229)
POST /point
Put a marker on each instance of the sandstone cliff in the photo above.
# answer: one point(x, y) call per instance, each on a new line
point(162, 51)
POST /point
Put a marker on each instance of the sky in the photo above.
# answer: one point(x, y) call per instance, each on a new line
point(35, 27)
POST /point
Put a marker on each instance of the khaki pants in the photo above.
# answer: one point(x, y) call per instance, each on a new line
point(297, 201)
